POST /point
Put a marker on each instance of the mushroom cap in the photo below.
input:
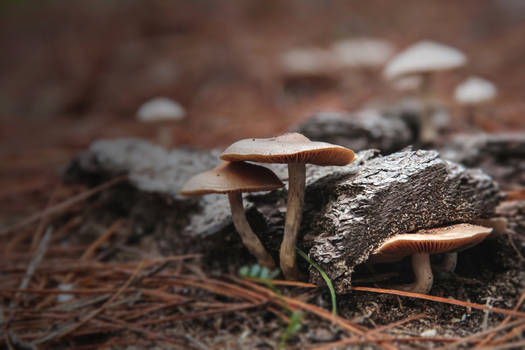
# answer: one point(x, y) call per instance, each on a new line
point(424, 57)
point(230, 177)
point(432, 241)
point(362, 52)
point(474, 90)
point(288, 148)
point(160, 109)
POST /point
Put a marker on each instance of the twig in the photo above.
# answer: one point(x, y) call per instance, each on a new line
point(149, 334)
point(505, 321)
point(489, 331)
point(441, 300)
point(61, 206)
point(515, 345)
point(39, 255)
point(87, 255)
point(43, 220)
point(353, 340)
point(238, 307)
point(345, 324)
point(69, 328)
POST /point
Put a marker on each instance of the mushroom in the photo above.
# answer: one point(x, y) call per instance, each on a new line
point(364, 55)
point(307, 61)
point(233, 179)
point(362, 52)
point(424, 59)
point(421, 244)
point(296, 150)
point(163, 112)
point(473, 92)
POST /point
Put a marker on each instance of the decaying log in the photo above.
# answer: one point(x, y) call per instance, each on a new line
point(154, 170)
point(411, 111)
point(348, 210)
point(502, 156)
point(386, 129)
point(399, 193)
point(358, 131)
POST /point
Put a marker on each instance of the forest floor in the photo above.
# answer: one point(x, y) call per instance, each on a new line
point(76, 72)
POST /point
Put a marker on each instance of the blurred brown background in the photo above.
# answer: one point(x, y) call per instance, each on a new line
point(75, 71)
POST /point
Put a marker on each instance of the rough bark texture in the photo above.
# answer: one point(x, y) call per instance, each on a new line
point(500, 155)
point(350, 213)
point(348, 210)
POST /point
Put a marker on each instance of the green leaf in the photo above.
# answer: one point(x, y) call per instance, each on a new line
point(325, 277)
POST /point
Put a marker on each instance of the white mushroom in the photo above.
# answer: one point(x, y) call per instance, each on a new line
point(161, 111)
point(307, 61)
point(362, 52)
point(474, 90)
point(424, 59)
point(472, 93)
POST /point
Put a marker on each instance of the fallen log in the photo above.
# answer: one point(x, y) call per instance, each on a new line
point(348, 210)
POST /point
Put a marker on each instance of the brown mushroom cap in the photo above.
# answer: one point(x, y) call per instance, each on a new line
point(229, 177)
point(432, 241)
point(288, 148)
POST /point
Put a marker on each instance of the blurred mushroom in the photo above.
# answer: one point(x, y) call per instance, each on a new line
point(358, 60)
point(162, 112)
point(362, 52)
point(233, 179)
point(472, 93)
point(424, 59)
point(295, 150)
point(307, 61)
point(421, 244)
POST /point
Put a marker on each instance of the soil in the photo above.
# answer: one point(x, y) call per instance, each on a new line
point(75, 72)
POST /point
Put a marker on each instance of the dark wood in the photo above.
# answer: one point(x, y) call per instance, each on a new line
point(502, 156)
point(348, 210)
point(359, 130)
point(349, 213)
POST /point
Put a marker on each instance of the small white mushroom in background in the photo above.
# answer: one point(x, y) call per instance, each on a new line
point(421, 244)
point(307, 61)
point(424, 59)
point(472, 93)
point(163, 112)
point(362, 52)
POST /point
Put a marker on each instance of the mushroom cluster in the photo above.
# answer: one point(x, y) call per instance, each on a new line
point(424, 59)
point(235, 176)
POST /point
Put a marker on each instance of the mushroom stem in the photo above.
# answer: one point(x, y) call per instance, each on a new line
point(427, 132)
point(423, 274)
point(449, 262)
point(165, 136)
point(294, 212)
point(249, 239)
